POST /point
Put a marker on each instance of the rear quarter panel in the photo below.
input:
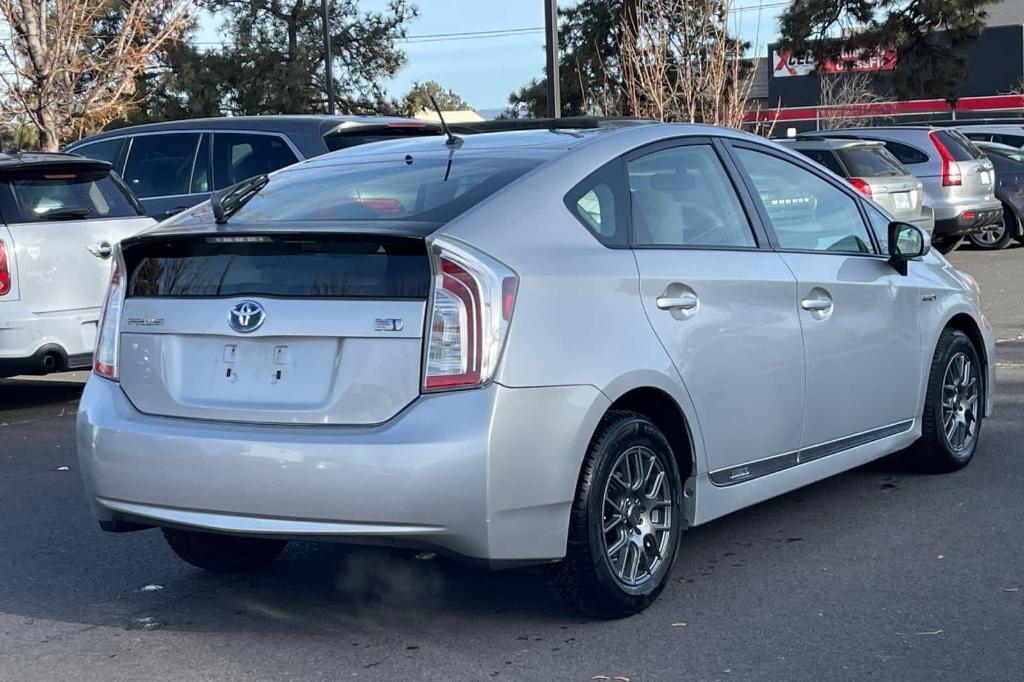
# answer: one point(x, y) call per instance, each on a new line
point(578, 318)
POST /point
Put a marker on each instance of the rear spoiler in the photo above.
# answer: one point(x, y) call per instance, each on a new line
point(72, 163)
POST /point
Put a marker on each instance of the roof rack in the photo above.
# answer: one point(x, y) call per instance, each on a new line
point(567, 122)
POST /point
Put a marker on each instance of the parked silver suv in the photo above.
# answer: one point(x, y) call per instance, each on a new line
point(560, 347)
point(958, 179)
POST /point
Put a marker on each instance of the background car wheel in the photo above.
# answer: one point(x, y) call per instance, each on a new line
point(222, 553)
point(945, 245)
point(995, 237)
point(626, 520)
point(953, 407)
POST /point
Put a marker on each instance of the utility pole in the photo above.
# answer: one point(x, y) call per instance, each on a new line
point(327, 57)
point(551, 31)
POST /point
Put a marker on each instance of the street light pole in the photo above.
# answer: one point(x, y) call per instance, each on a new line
point(551, 33)
point(327, 57)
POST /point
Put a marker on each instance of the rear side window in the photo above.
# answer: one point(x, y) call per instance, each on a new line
point(240, 156)
point(1012, 140)
point(871, 161)
point(354, 139)
point(826, 158)
point(600, 204)
point(39, 196)
point(104, 150)
point(906, 154)
point(161, 165)
point(426, 189)
point(959, 146)
point(338, 266)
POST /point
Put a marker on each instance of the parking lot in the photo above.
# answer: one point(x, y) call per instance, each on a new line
point(877, 573)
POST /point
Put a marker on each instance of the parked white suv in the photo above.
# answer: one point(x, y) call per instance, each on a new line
point(62, 215)
point(559, 347)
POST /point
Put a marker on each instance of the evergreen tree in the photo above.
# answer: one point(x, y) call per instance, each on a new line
point(929, 37)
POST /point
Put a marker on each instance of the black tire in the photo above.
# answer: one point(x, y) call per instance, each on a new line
point(222, 553)
point(585, 579)
point(933, 452)
point(1002, 235)
point(947, 245)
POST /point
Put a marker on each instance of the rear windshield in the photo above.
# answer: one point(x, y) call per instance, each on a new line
point(424, 189)
point(345, 140)
point(338, 266)
point(28, 196)
point(871, 162)
point(826, 158)
point(959, 146)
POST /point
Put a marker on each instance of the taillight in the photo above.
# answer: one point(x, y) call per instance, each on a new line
point(861, 186)
point(950, 167)
point(105, 357)
point(470, 309)
point(5, 271)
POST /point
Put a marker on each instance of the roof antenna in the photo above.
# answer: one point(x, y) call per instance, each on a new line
point(454, 141)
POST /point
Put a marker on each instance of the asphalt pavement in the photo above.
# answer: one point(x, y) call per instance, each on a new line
point(875, 574)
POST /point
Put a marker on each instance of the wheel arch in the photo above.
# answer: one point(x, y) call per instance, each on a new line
point(671, 419)
point(965, 323)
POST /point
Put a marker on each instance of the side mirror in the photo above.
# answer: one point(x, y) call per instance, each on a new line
point(906, 242)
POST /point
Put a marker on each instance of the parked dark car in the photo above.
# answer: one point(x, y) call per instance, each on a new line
point(1009, 164)
point(175, 165)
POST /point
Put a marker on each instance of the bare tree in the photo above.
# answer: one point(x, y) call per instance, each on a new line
point(848, 100)
point(680, 62)
point(72, 65)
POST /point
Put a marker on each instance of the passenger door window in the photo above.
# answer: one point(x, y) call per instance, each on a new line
point(681, 196)
point(807, 212)
point(161, 165)
point(240, 156)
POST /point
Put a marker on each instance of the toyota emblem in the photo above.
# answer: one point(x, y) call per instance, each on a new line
point(246, 316)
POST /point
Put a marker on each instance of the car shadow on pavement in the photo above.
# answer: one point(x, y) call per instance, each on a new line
point(19, 393)
point(134, 582)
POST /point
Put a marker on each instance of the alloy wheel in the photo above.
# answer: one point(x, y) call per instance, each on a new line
point(990, 235)
point(960, 392)
point(637, 516)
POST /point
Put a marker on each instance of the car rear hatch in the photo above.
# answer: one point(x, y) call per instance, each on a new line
point(283, 328)
point(967, 172)
point(876, 172)
point(901, 196)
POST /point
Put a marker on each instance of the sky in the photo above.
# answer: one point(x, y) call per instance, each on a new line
point(484, 70)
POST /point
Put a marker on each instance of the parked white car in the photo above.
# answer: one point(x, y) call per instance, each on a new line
point(62, 215)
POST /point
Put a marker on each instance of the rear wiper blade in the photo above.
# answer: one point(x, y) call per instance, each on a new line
point(64, 214)
point(225, 204)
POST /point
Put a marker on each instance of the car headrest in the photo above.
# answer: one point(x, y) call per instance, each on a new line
point(673, 182)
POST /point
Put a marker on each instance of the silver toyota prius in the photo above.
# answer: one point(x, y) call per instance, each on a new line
point(559, 347)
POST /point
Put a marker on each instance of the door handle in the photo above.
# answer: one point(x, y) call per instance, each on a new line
point(816, 303)
point(102, 250)
point(684, 302)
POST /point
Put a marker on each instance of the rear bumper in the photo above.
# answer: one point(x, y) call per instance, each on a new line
point(968, 221)
point(488, 474)
point(26, 339)
point(926, 221)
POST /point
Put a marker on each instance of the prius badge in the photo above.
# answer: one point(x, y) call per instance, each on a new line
point(246, 316)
